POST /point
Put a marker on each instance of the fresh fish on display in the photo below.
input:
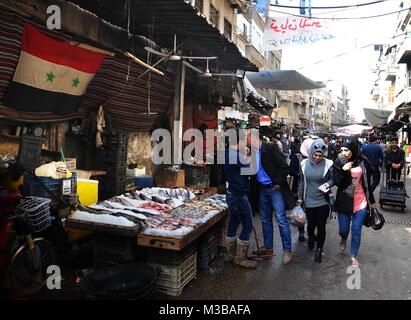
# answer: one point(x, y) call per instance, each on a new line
point(125, 211)
point(167, 227)
point(159, 199)
point(156, 206)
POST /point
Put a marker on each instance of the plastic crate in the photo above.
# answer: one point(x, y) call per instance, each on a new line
point(30, 151)
point(170, 257)
point(144, 181)
point(205, 259)
point(207, 247)
point(197, 176)
point(173, 279)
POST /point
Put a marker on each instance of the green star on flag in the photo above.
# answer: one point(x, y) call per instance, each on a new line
point(75, 82)
point(50, 76)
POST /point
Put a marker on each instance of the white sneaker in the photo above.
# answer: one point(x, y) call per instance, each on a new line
point(354, 263)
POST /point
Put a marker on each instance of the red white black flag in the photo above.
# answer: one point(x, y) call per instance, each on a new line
point(51, 75)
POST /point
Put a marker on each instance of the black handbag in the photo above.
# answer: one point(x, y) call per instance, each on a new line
point(376, 219)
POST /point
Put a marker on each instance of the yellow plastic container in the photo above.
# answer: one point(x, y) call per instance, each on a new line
point(87, 191)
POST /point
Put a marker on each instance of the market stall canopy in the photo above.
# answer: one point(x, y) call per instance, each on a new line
point(376, 117)
point(355, 129)
point(282, 80)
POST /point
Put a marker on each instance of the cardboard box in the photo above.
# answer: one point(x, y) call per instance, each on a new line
point(169, 179)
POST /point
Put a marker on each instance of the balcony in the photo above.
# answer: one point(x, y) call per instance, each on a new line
point(244, 35)
point(375, 93)
point(404, 53)
point(403, 96)
point(391, 73)
point(304, 116)
point(255, 55)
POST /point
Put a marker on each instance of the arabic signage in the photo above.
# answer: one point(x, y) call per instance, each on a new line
point(284, 32)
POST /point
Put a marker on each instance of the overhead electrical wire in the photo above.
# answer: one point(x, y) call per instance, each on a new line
point(330, 7)
point(343, 18)
point(346, 52)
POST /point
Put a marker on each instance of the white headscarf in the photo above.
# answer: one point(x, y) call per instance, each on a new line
point(305, 147)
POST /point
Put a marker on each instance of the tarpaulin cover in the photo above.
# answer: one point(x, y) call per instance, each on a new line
point(376, 117)
point(355, 129)
point(282, 80)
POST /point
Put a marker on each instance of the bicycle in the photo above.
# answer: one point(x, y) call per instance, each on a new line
point(28, 268)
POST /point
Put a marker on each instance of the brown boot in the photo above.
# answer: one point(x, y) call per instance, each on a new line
point(231, 245)
point(241, 257)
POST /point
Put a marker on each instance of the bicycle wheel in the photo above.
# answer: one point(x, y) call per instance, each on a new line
point(26, 280)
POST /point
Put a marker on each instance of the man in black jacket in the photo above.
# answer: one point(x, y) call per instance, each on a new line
point(394, 161)
point(274, 194)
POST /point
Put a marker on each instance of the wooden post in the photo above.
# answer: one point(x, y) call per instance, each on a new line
point(178, 113)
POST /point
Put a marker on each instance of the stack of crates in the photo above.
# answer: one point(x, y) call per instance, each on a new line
point(197, 176)
point(178, 268)
point(207, 248)
point(116, 162)
point(36, 186)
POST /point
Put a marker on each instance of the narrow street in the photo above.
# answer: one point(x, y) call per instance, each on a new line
point(385, 269)
point(384, 257)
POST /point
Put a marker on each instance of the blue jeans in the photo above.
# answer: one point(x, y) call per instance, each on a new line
point(239, 211)
point(270, 200)
point(356, 227)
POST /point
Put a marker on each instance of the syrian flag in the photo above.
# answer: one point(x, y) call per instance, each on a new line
point(51, 75)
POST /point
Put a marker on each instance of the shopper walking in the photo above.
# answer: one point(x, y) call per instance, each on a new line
point(375, 156)
point(239, 209)
point(353, 176)
point(274, 195)
point(314, 184)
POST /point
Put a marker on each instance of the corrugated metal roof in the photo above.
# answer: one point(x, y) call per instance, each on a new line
point(159, 20)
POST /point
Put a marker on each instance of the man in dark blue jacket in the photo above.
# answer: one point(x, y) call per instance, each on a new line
point(274, 195)
point(375, 155)
point(239, 208)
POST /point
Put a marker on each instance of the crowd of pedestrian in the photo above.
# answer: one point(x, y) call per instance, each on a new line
point(318, 167)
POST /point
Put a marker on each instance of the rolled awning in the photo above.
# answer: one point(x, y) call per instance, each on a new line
point(282, 80)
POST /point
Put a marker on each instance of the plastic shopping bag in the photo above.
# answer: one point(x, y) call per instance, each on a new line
point(298, 216)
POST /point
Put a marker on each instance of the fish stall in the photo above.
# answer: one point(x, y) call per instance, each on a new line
point(158, 217)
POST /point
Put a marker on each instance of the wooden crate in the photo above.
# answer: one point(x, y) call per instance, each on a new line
point(169, 179)
point(71, 164)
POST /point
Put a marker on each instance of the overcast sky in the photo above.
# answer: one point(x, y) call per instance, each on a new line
point(354, 66)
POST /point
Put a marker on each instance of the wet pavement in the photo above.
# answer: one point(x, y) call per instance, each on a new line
point(385, 258)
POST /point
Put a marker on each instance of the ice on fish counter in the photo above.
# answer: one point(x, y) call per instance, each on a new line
point(102, 218)
point(177, 233)
point(208, 216)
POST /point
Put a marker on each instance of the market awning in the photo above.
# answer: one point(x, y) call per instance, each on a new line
point(355, 129)
point(376, 117)
point(282, 80)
